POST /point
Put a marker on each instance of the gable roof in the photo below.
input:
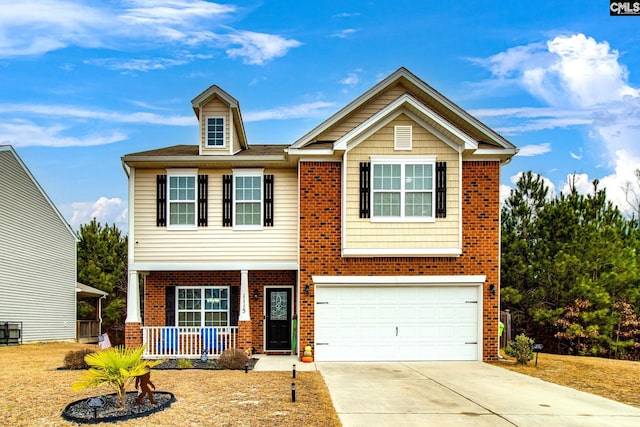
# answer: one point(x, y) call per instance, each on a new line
point(234, 105)
point(434, 101)
point(9, 149)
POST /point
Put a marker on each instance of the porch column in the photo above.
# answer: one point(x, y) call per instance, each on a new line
point(244, 319)
point(244, 296)
point(133, 322)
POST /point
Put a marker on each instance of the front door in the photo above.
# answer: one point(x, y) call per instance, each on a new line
point(278, 319)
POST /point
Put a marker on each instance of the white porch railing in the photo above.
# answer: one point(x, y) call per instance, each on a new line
point(172, 342)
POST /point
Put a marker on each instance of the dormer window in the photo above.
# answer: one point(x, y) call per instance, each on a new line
point(215, 131)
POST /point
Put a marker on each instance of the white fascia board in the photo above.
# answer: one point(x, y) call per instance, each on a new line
point(469, 280)
point(421, 252)
point(310, 152)
point(389, 112)
point(212, 266)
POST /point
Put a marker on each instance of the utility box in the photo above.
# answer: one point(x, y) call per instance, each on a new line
point(10, 333)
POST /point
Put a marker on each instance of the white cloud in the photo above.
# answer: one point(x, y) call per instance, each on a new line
point(104, 210)
point(258, 48)
point(312, 109)
point(143, 65)
point(35, 27)
point(584, 84)
point(22, 133)
point(343, 34)
point(534, 150)
point(352, 78)
point(81, 113)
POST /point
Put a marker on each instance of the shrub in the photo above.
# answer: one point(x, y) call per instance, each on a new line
point(114, 367)
point(233, 358)
point(521, 348)
point(185, 364)
point(75, 359)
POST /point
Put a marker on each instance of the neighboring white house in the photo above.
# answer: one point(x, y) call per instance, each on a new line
point(37, 257)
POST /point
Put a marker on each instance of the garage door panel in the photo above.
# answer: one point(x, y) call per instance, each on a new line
point(396, 323)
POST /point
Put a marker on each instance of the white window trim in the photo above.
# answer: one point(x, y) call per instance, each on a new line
point(403, 161)
point(224, 132)
point(189, 173)
point(202, 310)
point(248, 172)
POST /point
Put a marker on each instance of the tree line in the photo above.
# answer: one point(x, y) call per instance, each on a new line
point(570, 272)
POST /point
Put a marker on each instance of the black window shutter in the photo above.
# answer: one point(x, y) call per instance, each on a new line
point(441, 189)
point(365, 193)
point(234, 305)
point(161, 200)
point(170, 306)
point(268, 200)
point(203, 189)
point(227, 200)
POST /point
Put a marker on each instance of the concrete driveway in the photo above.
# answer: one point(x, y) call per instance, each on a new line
point(461, 394)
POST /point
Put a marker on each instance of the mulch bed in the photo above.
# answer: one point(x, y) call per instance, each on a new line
point(80, 411)
point(199, 364)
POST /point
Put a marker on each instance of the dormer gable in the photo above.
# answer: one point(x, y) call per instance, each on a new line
point(221, 130)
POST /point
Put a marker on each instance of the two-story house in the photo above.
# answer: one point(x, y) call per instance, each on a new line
point(375, 236)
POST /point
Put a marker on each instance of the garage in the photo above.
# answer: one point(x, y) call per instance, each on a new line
point(398, 318)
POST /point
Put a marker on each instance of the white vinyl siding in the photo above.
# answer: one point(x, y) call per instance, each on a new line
point(37, 258)
point(215, 242)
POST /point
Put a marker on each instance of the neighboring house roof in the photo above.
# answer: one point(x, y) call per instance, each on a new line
point(234, 105)
point(87, 291)
point(10, 149)
point(438, 104)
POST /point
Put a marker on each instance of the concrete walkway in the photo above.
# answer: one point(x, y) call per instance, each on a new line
point(281, 363)
point(461, 394)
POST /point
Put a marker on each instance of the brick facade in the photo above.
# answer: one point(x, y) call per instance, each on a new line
point(250, 333)
point(320, 242)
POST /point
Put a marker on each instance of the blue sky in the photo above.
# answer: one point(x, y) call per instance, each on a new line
point(84, 82)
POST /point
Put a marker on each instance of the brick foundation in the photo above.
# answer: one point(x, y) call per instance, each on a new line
point(132, 334)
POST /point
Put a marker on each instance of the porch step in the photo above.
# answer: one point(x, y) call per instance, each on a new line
point(281, 363)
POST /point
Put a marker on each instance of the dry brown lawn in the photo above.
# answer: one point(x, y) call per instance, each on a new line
point(614, 379)
point(34, 393)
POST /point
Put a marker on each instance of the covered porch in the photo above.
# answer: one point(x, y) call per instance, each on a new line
point(88, 330)
point(187, 342)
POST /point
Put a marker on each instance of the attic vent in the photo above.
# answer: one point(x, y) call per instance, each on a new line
point(402, 137)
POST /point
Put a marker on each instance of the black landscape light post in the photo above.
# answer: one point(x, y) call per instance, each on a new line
point(293, 392)
point(537, 348)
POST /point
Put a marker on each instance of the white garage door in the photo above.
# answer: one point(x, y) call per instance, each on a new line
point(362, 323)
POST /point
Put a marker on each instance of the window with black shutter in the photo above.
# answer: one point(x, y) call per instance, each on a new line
point(170, 306)
point(227, 200)
point(203, 189)
point(268, 200)
point(441, 189)
point(161, 200)
point(365, 193)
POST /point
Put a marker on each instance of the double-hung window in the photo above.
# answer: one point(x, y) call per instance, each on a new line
point(248, 199)
point(182, 198)
point(203, 306)
point(403, 189)
point(215, 131)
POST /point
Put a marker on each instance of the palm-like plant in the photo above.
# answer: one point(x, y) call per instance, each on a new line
point(114, 367)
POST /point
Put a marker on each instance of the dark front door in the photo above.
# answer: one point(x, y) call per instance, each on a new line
point(278, 318)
